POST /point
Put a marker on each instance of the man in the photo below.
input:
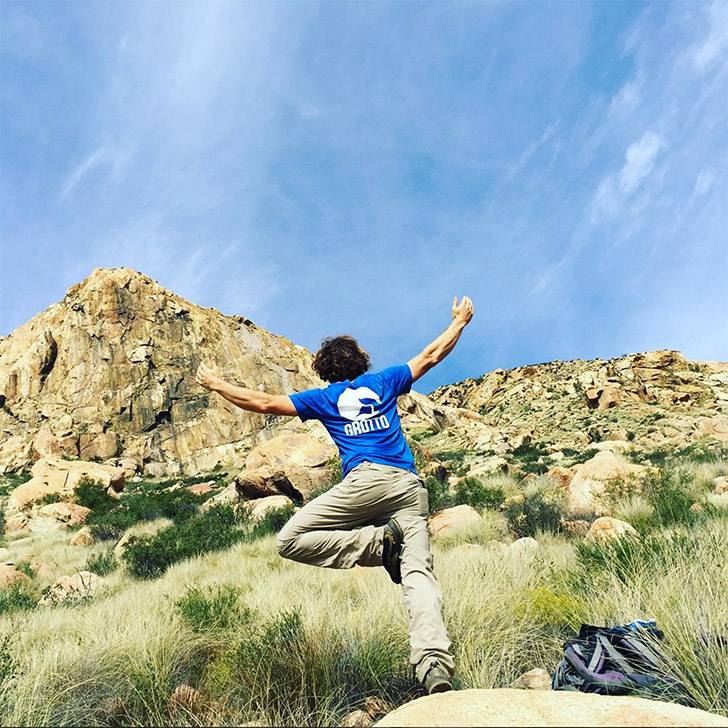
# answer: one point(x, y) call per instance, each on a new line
point(377, 515)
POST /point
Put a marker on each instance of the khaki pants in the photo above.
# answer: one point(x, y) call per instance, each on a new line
point(344, 527)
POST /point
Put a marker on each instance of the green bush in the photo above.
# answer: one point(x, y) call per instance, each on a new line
point(216, 608)
point(273, 521)
point(438, 494)
point(17, 597)
point(540, 509)
point(533, 457)
point(148, 557)
point(454, 460)
point(102, 563)
point(472, 492)
point(142, 501)
point(92, 494)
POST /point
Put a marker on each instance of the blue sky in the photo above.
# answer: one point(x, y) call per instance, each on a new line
point(349, 167)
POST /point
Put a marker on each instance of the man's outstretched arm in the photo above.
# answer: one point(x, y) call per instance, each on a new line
point(247, 399)
point(445, 342)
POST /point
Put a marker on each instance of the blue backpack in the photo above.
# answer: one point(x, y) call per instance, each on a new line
point(617, 661)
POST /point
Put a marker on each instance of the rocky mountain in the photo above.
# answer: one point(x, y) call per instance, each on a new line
point(107, 374)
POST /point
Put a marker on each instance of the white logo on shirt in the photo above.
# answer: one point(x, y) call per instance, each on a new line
point(358, 404)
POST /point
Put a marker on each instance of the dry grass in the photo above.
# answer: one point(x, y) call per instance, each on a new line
point(117, 658)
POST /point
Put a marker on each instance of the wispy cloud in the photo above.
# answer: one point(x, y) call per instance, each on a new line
point(711, 49)
point(639, 161)
point(82, 169)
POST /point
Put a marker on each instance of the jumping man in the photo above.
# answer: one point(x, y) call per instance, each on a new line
point(377, 515)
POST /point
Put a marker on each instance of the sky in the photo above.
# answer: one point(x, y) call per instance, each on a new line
point(349, 167)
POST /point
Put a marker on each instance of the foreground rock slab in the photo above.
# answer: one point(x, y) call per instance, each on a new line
point(507, 707)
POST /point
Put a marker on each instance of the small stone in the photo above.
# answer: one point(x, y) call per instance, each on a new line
point(185, 697)
point(355, 719)
point(536, 679)
point(721, 484)
point(83, 537)
point(526, 546)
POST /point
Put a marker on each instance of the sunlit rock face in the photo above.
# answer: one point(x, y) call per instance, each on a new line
point(109, 373)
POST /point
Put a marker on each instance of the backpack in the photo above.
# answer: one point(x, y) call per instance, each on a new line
point(619, 660)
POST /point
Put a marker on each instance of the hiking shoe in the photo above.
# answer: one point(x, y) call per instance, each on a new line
point(437, 679)
point(393, 538)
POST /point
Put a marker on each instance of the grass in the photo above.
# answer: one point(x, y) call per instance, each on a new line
point(271, 641)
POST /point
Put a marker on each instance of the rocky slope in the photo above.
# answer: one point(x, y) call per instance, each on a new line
point(646, 401)
point(108, 373)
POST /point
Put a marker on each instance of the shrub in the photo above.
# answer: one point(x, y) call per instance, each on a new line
point(143, 501)
point(540, 509)
point(17, 597)
point(216, 608)
point(92, 494)
point(102, 563)
point(533, 457)
point(148, 557)
point(438, 494)
point(454, 459)
point(273, 521)
point(473, 492)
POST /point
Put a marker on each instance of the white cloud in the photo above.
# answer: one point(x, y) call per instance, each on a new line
point(606, 201)
point(93, 160)
point(717, 41)
point(640, 159)
point(627, 98)
point(703, 182)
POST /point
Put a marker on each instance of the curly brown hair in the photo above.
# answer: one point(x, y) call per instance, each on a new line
point(340, 358)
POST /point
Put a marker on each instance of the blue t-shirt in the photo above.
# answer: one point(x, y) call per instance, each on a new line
point(361, 417)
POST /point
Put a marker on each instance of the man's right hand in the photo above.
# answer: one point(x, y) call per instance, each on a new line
point(463, 311)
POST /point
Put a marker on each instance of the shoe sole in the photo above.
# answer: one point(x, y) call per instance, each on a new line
point(441, 686)
point(398, 533)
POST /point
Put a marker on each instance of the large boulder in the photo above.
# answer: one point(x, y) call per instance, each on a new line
point(303, 459)
point(9, 575)
point(606, 529)
point(52, 475)
point(80, 585)
point(509, 707)
point(449, 521)
point(264, 482)
point(588, 484)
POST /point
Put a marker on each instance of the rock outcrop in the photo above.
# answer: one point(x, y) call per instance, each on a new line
point(508, 707)
point(108, 372)
point(639, 401)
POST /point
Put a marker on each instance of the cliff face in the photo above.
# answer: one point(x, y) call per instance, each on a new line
point(108, 373)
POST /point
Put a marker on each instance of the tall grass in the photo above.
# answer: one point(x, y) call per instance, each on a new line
point(269, 640)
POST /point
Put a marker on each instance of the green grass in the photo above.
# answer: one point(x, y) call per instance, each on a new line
point(143, 501)
point(148, 557)
point(541, 508)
